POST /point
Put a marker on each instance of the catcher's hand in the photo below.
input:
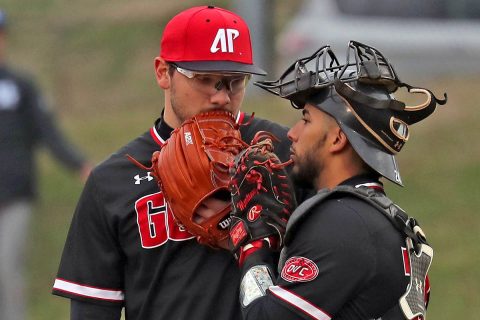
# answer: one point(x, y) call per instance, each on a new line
point(262, 194)
point(192, 170)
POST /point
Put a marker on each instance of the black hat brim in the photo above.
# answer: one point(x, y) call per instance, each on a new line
point(221, 66)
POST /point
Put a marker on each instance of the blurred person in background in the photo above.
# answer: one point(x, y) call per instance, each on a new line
point(25, 124)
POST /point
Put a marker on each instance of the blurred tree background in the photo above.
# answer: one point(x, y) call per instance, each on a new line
point(94, 60)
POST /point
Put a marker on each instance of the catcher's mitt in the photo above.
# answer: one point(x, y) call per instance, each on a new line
point(262, 195)
point(193, 165)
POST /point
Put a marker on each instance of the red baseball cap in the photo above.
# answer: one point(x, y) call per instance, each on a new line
point(209, 39)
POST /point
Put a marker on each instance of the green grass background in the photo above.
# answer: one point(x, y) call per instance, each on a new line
point(94, 60)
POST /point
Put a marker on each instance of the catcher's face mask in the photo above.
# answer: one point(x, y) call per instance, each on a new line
point(359, 95)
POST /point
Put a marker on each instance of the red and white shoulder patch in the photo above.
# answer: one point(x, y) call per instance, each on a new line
point(299, 269)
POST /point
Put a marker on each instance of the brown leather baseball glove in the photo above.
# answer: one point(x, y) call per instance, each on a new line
point(193, 166)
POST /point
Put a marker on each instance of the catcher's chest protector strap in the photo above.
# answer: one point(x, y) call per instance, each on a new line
point(378, 200)
point(420, 253)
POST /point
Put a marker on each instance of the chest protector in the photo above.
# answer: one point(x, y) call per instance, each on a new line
point(412, 304)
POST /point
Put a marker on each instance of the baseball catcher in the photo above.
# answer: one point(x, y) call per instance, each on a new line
point(262, 197)
point(348, 252)
point(198, 155)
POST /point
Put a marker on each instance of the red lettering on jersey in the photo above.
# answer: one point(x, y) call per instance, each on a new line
point(156, 224)
point(299, 269)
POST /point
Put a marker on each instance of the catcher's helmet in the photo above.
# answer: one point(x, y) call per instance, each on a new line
point(359, 95)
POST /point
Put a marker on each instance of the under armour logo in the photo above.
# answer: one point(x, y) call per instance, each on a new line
point(139, 179)
point(225, 38)
point(418, 285)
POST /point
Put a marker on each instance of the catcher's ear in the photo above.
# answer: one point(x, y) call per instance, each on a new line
point(161, 73)
point(339, 140)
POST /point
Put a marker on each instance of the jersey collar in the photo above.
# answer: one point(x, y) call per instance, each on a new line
point(160, 131)
point(365, 180)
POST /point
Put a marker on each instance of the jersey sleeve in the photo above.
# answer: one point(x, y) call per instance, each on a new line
point(329, 258)
point(91, 267)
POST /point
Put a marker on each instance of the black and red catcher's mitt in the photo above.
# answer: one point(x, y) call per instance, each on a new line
point(263, 197)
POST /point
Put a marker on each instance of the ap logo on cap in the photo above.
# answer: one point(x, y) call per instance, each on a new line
point(225, 38)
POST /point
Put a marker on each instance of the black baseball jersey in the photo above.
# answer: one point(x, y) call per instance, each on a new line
point(125, 249)
point(345, 260)
point(25, 122)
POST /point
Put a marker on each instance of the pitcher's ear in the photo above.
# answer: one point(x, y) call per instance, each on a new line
point(161, 73)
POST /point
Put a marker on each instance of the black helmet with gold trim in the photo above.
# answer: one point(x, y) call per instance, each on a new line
point(359, 95)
